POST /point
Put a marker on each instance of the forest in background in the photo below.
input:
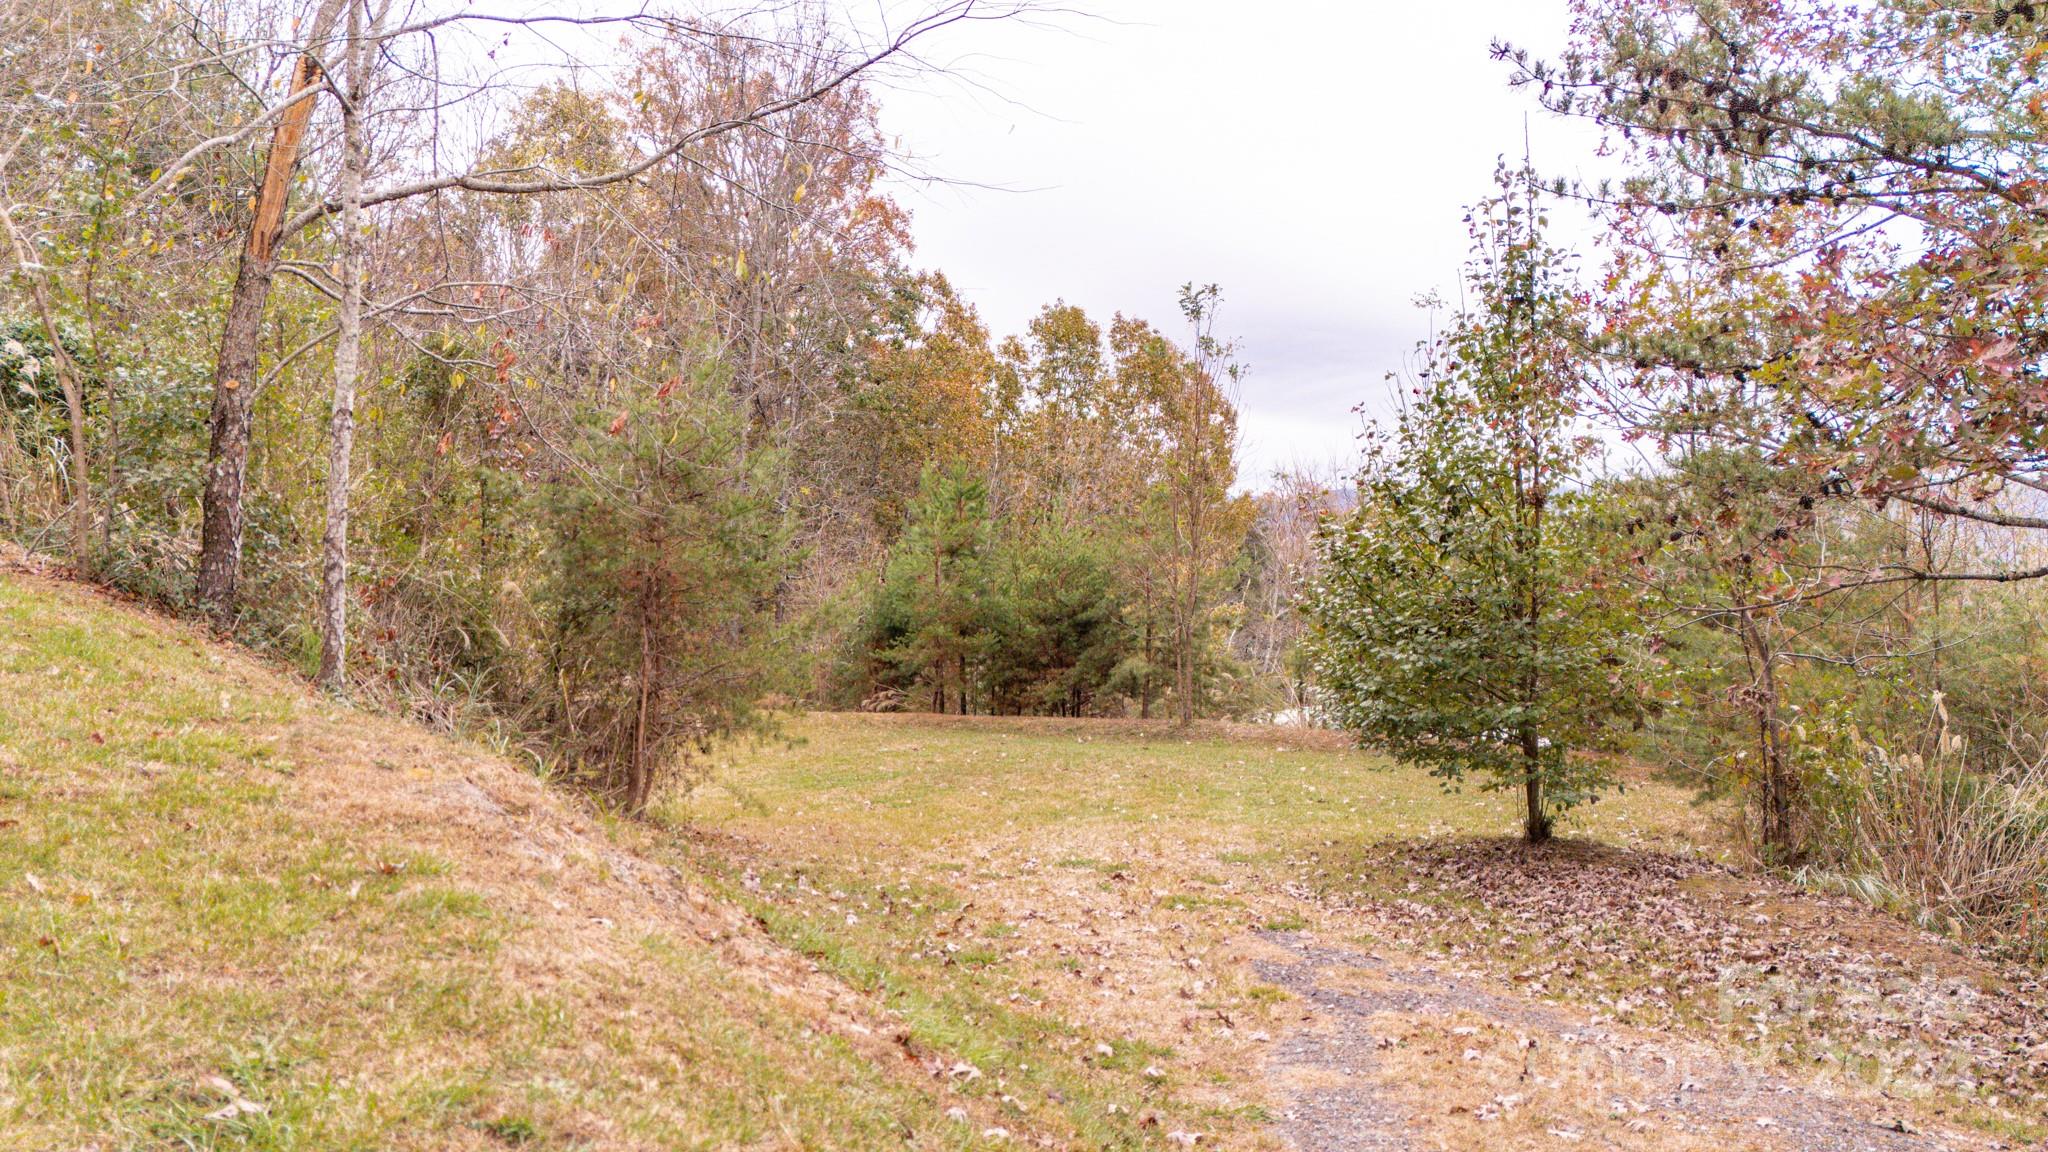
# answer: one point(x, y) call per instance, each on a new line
point(606, 412)
point(633, 416)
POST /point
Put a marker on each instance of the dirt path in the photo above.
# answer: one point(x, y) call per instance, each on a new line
point(1376, 1047)
point(1253, 950)
point(1329, 1069)
point(1348, 1073)
point(1382, 1046)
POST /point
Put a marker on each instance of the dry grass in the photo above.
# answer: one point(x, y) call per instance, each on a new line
point(236, 916)
point(1961, 850)
point(1066, 884)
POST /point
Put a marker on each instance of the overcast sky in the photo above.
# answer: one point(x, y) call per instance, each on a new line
point(1313, 158)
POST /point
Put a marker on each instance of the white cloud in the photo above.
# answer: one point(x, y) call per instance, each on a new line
point(1312, 158)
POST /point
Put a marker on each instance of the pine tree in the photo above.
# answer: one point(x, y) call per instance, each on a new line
point(666, 548)
point(936, 587)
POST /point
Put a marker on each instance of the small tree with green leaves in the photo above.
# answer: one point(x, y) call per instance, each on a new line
point(1460, 620)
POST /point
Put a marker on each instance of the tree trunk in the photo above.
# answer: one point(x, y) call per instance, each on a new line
point(1777, 788)
point(1145, 689)
point(1536, 823)
point(81, 463)
point(348, 344)
point(639, 777)
point(235, 368)
point(68, 378)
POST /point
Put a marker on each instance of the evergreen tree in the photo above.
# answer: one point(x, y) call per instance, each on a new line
point(931, 614)
point(666, 550)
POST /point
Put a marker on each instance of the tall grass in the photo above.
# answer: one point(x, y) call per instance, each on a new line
point(1960, 840)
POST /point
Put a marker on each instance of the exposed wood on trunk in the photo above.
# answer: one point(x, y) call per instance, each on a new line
point(235, 368)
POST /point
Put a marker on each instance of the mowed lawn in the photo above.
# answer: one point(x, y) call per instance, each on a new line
point(1074, 908)
point(1081, 909)
point(922, 782)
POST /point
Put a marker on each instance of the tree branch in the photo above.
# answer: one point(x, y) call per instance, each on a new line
point(493, 183)
point(1981, 515)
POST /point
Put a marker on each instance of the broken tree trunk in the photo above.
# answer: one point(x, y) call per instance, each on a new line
point(235, 369)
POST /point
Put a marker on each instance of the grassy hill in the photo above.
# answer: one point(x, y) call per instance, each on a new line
point(233, 915)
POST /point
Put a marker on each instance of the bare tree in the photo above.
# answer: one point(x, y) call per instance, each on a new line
point(841, 62)
point(348, 345)
point(1283, 560)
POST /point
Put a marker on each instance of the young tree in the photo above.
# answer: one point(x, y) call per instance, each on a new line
point(664, 548)
point(1171, 415)
point(1723, 532)
point(933, 611)
point(348, 347)
point(1460, 619)
point(1059, 643)
point(70, 378)
point(1198, 414)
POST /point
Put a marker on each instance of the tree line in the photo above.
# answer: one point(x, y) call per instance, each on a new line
point(571, 378)
point(1074, 562)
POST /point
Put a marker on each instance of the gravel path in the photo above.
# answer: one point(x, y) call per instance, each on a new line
point(1332, 1071)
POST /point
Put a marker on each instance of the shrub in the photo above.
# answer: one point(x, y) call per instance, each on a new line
point(665, 548)
point(1962, 848)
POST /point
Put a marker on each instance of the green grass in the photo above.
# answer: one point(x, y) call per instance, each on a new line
point(855, 782)
point(210, 892)
point(900, 853)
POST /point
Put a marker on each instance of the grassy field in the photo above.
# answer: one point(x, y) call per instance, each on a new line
point(1073, 902)
point(922, 783)
point(236, 916)
point(1064, 885)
